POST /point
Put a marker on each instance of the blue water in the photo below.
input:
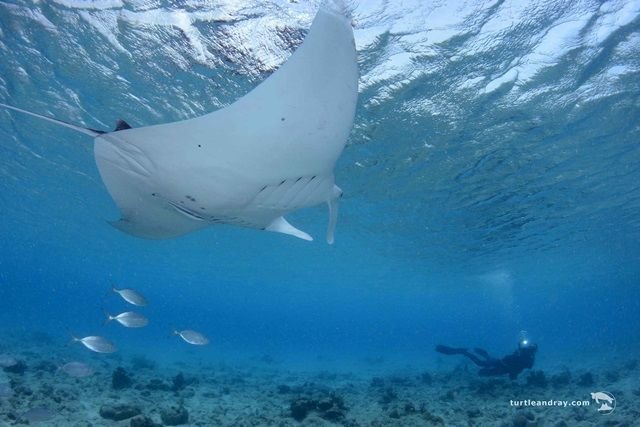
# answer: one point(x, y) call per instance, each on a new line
point(471, 212)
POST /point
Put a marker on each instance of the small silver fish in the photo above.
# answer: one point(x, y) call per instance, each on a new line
point(97, 344)
point(129, 319)
point(77, 369)
point(192, 337)
point(38, 414)
point(5, 390)
point(7, 361)
point(131, 296)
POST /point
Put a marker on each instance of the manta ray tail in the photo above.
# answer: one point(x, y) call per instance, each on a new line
point(281, 225)
point(81, 129)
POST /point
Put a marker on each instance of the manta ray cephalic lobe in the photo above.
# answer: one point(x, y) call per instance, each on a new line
point(271, 152)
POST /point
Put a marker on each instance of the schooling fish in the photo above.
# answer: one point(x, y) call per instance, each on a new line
point(192, 337)
point(97, 344)
point(129, 319)
point(131, 296)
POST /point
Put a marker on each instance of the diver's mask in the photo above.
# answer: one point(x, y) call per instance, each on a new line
point(525, 343)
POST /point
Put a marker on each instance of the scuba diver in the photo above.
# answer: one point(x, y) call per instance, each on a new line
point(512, 364)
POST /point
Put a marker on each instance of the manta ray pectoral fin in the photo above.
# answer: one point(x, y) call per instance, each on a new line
point(281, 225)
point(333, 213)
point(123, 225)
point(81, 129)
point(146, 230)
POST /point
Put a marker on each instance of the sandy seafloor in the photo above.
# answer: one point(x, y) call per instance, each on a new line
point(263, 391)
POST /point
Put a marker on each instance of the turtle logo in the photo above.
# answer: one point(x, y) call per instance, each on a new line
point(606, 401)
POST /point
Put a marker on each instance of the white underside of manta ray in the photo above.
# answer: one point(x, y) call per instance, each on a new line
point(271, 152)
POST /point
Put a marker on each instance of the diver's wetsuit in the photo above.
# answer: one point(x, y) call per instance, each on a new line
point(512, 364)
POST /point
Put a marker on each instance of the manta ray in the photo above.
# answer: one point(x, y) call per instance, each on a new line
point(269, 153)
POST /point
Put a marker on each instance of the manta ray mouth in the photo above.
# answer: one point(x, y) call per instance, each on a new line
point(225, 219)
point(188, 212)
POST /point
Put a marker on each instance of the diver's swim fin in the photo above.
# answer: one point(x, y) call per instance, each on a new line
point(450, 350)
